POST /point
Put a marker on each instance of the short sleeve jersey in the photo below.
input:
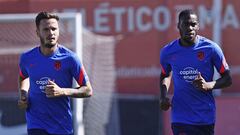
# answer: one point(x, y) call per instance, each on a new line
point(52, 114)
point(190, 105)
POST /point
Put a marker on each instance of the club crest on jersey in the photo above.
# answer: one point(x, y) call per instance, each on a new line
point(200, 55)
point(57, 65)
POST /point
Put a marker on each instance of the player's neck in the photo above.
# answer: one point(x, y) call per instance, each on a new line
point(187, 43)
point(48, 50)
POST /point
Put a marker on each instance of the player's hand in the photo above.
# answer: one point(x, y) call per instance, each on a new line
point(23, 101)
point(200, 83)
point(165, 103)
point(53, 90)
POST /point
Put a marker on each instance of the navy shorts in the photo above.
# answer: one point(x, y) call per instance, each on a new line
point(41, 132)
point(186, 129)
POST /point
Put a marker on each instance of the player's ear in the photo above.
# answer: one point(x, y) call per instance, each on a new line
point(198, 27)
point(178, 25)
point(37, 32)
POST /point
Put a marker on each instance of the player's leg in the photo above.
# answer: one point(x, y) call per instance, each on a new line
point(179, 129)
point(207, 129)
point(41, 132)
point(61, 134)
point(37, 132)
point(186, 129)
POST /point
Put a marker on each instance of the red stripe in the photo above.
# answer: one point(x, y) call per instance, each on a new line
point(224, 66)
point(163, 71)
point(81, 76)
point(222, 69)
point(21, 74)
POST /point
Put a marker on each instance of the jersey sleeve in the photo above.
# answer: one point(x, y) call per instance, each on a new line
point(164, 63)
point(78, 71)
point(22, 68)
point(219, 60)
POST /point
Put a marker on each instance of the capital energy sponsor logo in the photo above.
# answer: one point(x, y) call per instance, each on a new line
point(42, 82)
point(189, 74)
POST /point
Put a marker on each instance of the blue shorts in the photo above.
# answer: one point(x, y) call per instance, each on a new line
point(41, 132)
point(186, 129)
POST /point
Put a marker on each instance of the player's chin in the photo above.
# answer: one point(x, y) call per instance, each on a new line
point(189, 40)
point(165, 107)
point(50, 44)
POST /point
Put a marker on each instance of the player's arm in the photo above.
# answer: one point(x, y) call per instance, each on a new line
point(85, 88)
point(220, 63)
point(165, 81)
point(53, 90)
point(80, 92)
point(225, 80)
point(23, 92)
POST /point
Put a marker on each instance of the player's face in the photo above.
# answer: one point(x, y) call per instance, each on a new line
point(188, 27)
point(48, 32)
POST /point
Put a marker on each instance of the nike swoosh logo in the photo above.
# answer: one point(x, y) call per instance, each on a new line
point(20, 129)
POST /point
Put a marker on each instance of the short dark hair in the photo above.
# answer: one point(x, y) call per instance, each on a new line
point(185, 13)
point(45, 15)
